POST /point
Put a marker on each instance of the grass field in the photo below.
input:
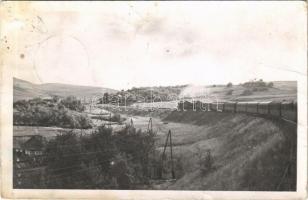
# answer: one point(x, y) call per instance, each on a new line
point(48, 132)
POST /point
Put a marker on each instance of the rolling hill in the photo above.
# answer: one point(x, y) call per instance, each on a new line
point(249, 152)
point(281, 90)
point(27, 90)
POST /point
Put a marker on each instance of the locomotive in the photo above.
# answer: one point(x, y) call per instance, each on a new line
point(285, 110)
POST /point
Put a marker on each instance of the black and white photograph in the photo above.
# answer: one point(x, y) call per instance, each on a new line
point(155, 96)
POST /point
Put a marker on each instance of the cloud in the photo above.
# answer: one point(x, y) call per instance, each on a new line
point(150, 24)
point(195, 42)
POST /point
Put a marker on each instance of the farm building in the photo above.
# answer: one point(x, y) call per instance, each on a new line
point(29, 145)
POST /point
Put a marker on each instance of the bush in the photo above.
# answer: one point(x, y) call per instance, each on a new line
point(229, 92)
point(64, 166)
point(130, 141)
point(229, 84)
point(104, 159)
point(205, 161)
point(73, 103)
point(38, 113)
point(247, 92)
point(254, 83)
point(116, 118)
point(256, 89)
point(270, 84)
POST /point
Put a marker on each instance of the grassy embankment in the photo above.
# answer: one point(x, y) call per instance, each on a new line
point(249, 152)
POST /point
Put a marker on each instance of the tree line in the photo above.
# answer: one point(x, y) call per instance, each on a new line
point(65, 113)
point(101, 160)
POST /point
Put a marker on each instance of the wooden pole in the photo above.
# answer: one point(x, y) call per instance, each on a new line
point(165, 145)
point(109, 120)
point(150, 125)
point(163, 157)
point(172, 167)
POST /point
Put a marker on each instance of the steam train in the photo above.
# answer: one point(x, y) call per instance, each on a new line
point(285, 110)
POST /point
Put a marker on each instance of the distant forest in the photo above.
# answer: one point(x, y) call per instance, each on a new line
point(143, 94)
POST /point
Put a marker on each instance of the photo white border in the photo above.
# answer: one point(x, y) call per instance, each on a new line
point(6, 109)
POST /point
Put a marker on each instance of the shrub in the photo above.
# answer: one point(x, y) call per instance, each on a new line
point(255, 89)
point(247, 92)
point(63, 161)
point(116, 118)
point(37, 113)
point(252, 84)
point(73, 103)
point(270, 84)
point(229, 92)
point(205, 161)
point(103, 159)
point(130, 141)
point(229, 84)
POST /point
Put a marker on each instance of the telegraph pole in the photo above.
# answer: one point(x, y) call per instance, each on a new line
point(172, 168)
point(171, 153)
point(150, 125)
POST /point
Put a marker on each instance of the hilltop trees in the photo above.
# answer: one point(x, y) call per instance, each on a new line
point(270, 84)
point(257, 85)
point(142, 94)
point(229, 84)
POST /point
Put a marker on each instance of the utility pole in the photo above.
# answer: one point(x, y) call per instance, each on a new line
point(171, 154)
point(172, 168)
point(109, 120)
point(150, 125)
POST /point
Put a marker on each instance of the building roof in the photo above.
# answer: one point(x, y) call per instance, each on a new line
point(17, 144)
point(36, 142)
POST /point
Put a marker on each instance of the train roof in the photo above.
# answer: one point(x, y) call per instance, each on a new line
point(241, 102)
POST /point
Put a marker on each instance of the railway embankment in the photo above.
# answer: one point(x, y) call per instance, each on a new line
point(249, 152)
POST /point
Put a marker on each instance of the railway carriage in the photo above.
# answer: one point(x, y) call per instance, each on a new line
point(252, 107)
point(182, 106)
point(263, 108)
point(218, 106)
point(289, 110)
point(188, 105)
point(241, 107)
point(200, 106)
point(230, 107)
point(285, 110)
point(275, 109)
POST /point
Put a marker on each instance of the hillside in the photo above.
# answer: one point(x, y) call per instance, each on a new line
point(249, 152)
point(248, 91)
point(27, 90)
point(281, 90)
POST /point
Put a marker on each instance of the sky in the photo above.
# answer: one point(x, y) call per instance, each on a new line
point(121, 45)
